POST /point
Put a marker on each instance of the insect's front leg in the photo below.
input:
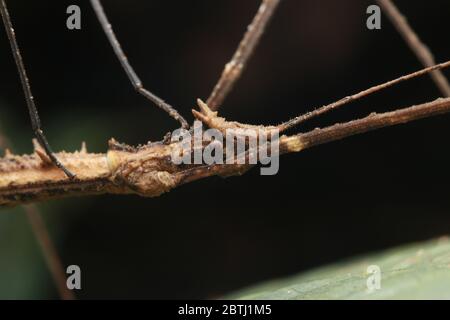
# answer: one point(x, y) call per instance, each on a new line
point(35, 121)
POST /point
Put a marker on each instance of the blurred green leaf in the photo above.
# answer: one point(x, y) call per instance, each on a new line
point(417, 271)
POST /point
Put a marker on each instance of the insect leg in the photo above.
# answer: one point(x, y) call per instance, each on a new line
point(34, 116)
point(136, 82)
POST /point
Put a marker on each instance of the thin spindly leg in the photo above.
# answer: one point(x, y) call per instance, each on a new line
point(35, 122)
point(233, 69)
point(137, 83)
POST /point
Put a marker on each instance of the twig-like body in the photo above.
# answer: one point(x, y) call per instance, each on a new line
point(373, 122)
point(150, 172)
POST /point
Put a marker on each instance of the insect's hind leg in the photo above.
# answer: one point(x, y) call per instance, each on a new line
point(35, 122)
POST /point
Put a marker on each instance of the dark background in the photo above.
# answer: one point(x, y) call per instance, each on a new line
point(208, 238)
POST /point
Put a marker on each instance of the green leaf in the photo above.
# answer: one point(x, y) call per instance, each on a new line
point(417, 271)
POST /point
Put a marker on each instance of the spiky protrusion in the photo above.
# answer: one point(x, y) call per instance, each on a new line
point(40, 152)
point(212, 120)
point(83, 149)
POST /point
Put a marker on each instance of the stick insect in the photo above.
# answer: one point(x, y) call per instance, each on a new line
point(26, 86)
point(208, 115)
point(229, 76)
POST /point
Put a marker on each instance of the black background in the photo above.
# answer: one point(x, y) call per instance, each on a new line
point(210, 237)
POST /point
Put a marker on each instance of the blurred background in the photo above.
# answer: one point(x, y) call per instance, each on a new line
point(207, 238)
